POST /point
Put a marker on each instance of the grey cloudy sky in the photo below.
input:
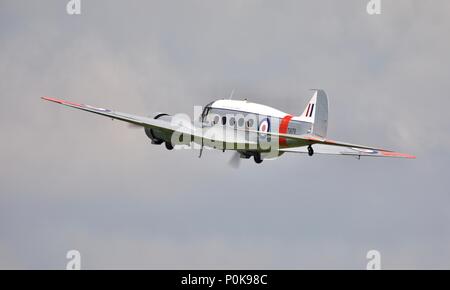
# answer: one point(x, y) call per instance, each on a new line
point(71, 180)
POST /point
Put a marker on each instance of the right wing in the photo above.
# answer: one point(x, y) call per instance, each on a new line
point(349, 151)
point(328, 146)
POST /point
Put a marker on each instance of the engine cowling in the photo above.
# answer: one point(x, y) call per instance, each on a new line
point(157, 136)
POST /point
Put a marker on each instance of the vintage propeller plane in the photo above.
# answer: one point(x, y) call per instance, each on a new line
point(249, 129)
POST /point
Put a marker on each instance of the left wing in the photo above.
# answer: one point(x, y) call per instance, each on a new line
point(137, 120)
point(189, 131)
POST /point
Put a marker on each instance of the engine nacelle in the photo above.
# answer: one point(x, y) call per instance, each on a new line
point(157, 136)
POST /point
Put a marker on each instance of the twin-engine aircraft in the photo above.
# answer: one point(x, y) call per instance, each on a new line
point(249, 129)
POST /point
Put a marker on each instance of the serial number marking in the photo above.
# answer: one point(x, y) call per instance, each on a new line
point(292, 131)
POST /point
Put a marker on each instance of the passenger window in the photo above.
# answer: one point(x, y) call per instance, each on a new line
point(250, 123)
point(241, 122)
point(224, 120)
point(232, 121)
point(216, 120)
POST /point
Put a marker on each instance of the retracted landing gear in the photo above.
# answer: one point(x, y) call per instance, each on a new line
point(257, 157)
point(310, 150)
point(169, 145)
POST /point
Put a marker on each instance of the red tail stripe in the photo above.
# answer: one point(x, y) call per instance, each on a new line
point(283, 128)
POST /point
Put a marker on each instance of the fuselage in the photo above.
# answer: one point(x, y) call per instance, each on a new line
point(244, 116)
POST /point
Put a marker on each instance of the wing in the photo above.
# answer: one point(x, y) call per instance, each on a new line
point(349, 151)
point(181, 128)
point(137, 120)
point(328, 146)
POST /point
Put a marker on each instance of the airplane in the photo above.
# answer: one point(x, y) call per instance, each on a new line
point(247, 128)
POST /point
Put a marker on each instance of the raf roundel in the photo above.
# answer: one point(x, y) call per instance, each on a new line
point(264, 126)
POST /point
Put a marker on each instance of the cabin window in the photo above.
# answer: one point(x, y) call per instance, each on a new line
point(232, 121)
point(241, 122)
point(224, 120)
point(216, 120)
point(250, 123)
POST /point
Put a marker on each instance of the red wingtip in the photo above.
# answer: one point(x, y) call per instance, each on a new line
point(61, 102)
point(396, 154)
point(52, 100)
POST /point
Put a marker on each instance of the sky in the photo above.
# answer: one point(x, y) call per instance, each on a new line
point(73, 180)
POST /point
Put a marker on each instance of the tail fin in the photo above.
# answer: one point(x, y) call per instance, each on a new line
point(316, 112)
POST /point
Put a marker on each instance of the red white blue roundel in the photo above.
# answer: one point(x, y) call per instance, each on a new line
point(264, 126)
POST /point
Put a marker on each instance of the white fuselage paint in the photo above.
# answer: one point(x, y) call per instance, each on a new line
point(241, 119)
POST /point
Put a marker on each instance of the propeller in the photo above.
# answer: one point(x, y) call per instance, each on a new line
point(235, 160)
